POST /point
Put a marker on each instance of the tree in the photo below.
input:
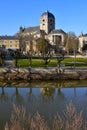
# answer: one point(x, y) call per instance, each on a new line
point(44, 49)
point(75, 48)
point(42, 46)
point(58, 51)
point(71, 42)
point(26, 44)
point(21, 37)
point(16, 56)
point(2, 57)
point(29, 42)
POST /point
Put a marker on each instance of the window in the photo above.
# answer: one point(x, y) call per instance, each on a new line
point(10, 41)
point(43, 20)
point(15, 45)
point(16, 41)
point(5, 41)
point(51, 20)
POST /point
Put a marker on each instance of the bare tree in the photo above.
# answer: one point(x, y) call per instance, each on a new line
point(43, 47)
point(71, 42)
point(58, 51)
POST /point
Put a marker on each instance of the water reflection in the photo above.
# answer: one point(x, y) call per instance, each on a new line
point(3, 96)
point(17, 97)
point(31, 97)
point(48, 92)
point(45, 97)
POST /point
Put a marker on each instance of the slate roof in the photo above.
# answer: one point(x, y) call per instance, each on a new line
point(32, 29)
point(85, 35)
point(57, 31)
point(8, 37)
point(47, 13)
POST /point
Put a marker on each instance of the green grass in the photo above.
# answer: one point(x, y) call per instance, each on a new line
point(35, 63)
point(53, 62)
point(80, 62)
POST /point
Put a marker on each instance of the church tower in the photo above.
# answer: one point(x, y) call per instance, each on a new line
point(47, 22)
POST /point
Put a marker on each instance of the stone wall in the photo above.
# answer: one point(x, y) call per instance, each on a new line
point(41, 74)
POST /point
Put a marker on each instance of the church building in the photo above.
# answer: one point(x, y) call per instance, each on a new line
point(46, 28)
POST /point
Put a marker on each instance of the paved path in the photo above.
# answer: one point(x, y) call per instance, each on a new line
point(9, 62)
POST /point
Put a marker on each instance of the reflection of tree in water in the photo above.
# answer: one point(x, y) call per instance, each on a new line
point(3, 96)
point(75, 92)
point(48, 92)
point(31, 96)
point(30, 92)
point(17, 97)
point(60, 93)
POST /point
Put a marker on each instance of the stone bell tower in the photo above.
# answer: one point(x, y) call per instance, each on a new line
point(47, 22)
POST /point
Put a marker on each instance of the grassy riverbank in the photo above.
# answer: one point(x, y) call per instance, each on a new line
point(79, 62)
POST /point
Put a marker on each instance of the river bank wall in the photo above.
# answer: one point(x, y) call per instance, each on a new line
point(50, 73)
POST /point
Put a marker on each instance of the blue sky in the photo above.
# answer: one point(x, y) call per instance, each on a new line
point(71, 15)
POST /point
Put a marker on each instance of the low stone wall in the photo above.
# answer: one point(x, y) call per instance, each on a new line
point(41, 74)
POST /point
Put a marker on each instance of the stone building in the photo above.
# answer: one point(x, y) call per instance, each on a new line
point(9, 42)
point(82, 41)
point(47, 22)
point(46, 28)
point(22, 40)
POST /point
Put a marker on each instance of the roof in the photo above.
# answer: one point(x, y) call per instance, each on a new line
point(8, 37)
point(47, 13)
point(32, 29)
point(57, 31)
point(83, 35)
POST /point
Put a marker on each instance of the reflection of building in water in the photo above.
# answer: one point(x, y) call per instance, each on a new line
point(47, 91)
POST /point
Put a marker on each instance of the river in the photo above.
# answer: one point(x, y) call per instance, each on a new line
point(47, 98)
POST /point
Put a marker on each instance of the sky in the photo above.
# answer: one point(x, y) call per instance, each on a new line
point(70, 15)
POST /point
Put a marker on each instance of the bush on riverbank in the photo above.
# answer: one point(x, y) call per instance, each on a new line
point(70, 120)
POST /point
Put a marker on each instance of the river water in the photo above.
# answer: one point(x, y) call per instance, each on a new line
point(47, 98)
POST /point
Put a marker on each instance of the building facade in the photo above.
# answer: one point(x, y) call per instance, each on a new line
point(46, 28)
point(82, 41)
point(47, 22)
point(9, 42)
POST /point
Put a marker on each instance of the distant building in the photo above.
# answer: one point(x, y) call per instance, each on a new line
point(46, 28)
point(47, 25)
point(47, 22)
point(22, 41)
point(9, 42)
point(82, 41)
